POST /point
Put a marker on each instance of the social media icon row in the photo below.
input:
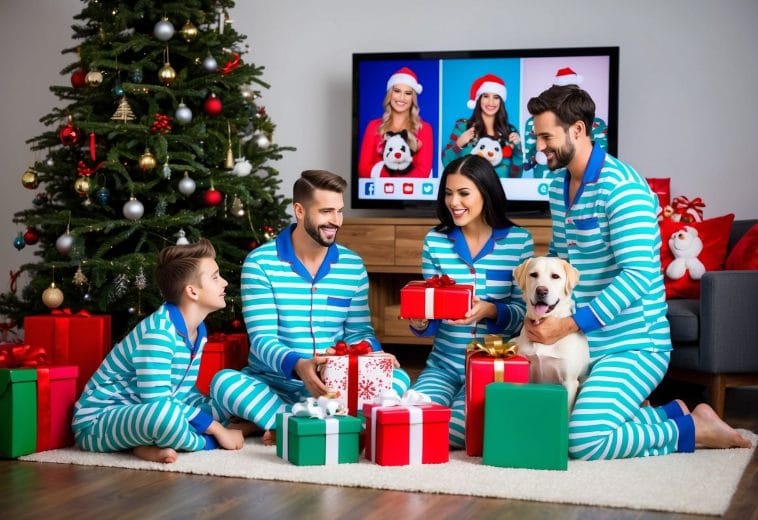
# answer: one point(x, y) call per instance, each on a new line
point(407, 188)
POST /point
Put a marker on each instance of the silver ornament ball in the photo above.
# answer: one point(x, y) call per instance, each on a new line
point(183, 114)
point(133, 209)
point(163, 30)
point(262, 141)
point(209, 63)
point(64, 244)
point(242, 167)
point(187, 185)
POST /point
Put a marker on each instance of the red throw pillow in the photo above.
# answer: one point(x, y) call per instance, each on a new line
point(744, 255)
point(689, 250)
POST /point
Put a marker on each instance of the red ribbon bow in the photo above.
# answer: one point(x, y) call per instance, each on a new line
point(689, 210)
point(22, 356)
point(356, 349)
point(82, 170)
point(67, 312)
point(230, 65)
point(440, 281)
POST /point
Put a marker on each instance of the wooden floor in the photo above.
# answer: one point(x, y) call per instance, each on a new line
point(49, 491)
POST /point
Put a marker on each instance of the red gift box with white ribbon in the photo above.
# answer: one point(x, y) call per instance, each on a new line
point(438, 297)
point(406, 431)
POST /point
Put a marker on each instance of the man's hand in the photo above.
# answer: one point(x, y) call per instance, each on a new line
point(306, 370)
point(549, 330)
point(227, 438)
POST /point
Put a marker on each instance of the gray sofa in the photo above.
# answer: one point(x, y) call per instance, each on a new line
point(716, 337)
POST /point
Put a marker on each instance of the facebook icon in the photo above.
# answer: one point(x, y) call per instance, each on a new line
point(369, 188)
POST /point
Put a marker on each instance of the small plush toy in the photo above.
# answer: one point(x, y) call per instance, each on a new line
point(397, 155)
point(490, 149)
point(685, 245)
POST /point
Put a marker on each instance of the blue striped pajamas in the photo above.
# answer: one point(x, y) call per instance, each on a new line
point(289, 315)
point(610, 234)
point(491, 274)
point(144, 394)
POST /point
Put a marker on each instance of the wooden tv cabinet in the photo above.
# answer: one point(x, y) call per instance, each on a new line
point(391, 250)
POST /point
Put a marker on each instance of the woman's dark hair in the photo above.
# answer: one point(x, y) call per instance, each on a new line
point(501, 126)
point(484, 177)
point(569, 103)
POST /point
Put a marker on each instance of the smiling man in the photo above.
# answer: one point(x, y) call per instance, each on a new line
point(605, 225)
point(301, 293)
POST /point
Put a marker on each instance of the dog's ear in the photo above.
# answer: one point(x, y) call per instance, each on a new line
point(572, 276)
point(519, 274)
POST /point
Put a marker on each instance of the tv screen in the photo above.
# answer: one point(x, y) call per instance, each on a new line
point(414, 112)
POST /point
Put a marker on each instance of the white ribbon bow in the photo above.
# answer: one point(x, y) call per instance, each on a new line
point(410, 398)
point(320, 408)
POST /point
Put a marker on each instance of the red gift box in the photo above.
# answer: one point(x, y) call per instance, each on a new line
point(399, 435)
point(56, 396)
point(80, 339)
point(221, 351)
point(436, 298)
point(491, 362)
point(662, 188)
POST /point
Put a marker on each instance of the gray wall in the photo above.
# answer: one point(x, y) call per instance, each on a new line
point(688, 78)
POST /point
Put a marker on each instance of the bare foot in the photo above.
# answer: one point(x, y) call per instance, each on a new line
point(246, 427)
point(155, 454)
point(269, 438)
point(712, 432)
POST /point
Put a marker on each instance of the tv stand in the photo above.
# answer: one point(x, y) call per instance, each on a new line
point(391, 251)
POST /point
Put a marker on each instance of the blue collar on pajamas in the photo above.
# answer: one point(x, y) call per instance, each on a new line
point(461, 247)
point(175, 315)
point(286, 253)
point(591, 173)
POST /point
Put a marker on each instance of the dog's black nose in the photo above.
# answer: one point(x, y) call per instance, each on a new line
point(541, 291)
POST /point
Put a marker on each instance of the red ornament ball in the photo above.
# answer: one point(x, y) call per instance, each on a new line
point(212, 197)
point(212, 105)
point(78, 78)
point(31, 236)
point(69, 135)
point(252, 245)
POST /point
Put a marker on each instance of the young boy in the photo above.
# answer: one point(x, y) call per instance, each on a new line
point(143, 396)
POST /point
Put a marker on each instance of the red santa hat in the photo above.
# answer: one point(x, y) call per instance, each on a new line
point(566, 76)
point(489, 83)
point(405, 76)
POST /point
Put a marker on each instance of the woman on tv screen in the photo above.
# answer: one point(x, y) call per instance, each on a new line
point(400, 143)
point(487, 132)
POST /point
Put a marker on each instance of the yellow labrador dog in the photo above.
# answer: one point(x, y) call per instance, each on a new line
point(546, 283)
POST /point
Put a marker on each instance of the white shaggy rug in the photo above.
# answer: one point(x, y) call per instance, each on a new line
point(701, 483)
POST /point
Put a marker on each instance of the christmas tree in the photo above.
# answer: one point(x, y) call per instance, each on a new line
point(160, 140)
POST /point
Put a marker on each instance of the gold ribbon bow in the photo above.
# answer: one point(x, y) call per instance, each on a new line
point(494, 346)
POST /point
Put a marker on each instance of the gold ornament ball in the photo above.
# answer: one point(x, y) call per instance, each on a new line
point(29, 179)
point(167, 74)
point(82, 185)
point(147, 161)
point(93, 78)
point(52, 297)
point(189, 31)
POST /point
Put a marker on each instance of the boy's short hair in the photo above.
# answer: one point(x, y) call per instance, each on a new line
point(312, 180)
point(178, 266)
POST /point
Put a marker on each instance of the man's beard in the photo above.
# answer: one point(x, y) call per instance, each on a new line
point(562, 156)
point(313, 232)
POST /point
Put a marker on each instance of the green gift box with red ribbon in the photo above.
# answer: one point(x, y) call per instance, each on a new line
point(80, 339)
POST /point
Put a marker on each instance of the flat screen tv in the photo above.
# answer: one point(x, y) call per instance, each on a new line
point(390, 171)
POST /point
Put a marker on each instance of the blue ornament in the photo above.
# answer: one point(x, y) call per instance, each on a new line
point(137, 75)
point(103, 196)
point(118, 90)
point(18, 242)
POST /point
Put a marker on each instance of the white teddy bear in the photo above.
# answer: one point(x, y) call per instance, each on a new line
point(490, 149)
point(685, 245)
point(397, 155)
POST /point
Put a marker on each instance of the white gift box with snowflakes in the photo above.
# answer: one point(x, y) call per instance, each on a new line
point(357, 379)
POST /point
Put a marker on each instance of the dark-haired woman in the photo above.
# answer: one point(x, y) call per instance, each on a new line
point(475, 243)
point(487, 132)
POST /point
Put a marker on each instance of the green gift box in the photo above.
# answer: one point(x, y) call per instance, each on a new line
point(307, 441)
point(18, 409)
point(526, 426)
